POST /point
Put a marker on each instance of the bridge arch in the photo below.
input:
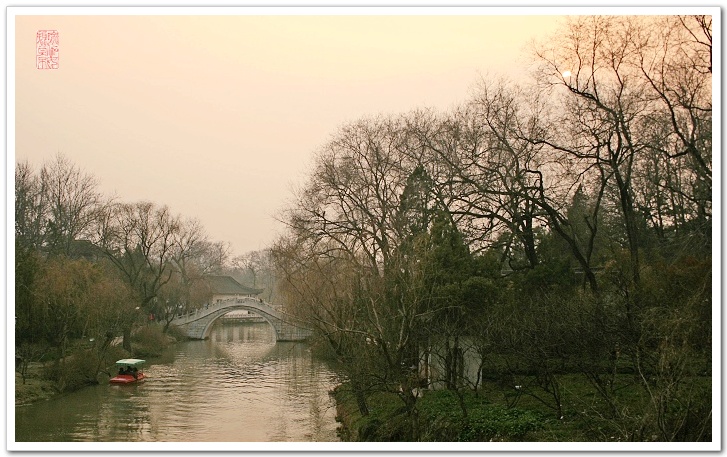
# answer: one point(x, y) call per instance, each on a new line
point(197, 324)
point(220, 313)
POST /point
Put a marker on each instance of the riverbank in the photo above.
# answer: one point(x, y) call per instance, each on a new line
point(507, 413)
point(442, 416)
point(35, 387)
point(45, 380)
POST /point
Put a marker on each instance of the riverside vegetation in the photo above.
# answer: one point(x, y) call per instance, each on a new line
point(535, 263)
point(82, 365)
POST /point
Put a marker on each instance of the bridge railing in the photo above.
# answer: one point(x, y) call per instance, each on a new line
point(287, 327)
point(210, 308)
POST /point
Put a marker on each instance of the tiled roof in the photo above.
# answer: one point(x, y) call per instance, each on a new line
point(227, 285)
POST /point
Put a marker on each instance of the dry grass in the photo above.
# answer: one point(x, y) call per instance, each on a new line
point(35, 388)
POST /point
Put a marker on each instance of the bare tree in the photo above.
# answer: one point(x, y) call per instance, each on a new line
point(591, 61)
point(214, 257)
point(256, 269)
point(675, 59)
point(138, 239)
point(73, 203)
point(349, 216)
point(251, 262)
point(189, 248)
point(31, 207)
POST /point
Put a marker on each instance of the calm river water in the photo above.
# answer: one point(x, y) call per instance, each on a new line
point(239, 385)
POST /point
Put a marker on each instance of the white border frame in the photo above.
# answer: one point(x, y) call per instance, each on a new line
point(404, 8)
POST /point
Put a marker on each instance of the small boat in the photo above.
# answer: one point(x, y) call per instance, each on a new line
point(130, 371)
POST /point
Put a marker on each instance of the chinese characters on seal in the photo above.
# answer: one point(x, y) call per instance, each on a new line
point(46, 50)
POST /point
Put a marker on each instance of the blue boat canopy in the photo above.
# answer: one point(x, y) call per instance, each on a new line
point(130, 362)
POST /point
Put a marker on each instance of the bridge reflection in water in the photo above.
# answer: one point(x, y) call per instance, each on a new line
point(232, 331)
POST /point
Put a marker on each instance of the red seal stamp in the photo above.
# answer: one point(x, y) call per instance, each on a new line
point(46, 50)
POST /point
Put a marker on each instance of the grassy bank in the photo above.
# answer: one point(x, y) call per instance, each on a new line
point(499, 413)
point(440, 417)
point(36, 386)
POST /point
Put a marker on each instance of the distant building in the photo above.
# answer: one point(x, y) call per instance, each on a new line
point(226, 288)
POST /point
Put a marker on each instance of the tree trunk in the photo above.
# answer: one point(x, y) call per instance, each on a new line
point(627, 209)
point(412, 413)
point(360, 395)
point(101, 352)
point(126, 344)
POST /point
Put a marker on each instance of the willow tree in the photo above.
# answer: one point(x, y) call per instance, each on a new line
point(138, 240)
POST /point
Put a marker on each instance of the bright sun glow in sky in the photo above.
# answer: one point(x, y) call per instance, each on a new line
point(219, 116)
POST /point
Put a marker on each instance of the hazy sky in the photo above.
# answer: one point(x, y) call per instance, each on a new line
point(219, 116)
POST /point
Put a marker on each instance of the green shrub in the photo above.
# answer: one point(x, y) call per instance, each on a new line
point(149, 341)
point(74, 372)
point(176, 333)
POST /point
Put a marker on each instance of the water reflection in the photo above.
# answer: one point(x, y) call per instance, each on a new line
point(237, 386)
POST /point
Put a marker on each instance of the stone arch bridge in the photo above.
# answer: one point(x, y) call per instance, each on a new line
point(197, 324)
